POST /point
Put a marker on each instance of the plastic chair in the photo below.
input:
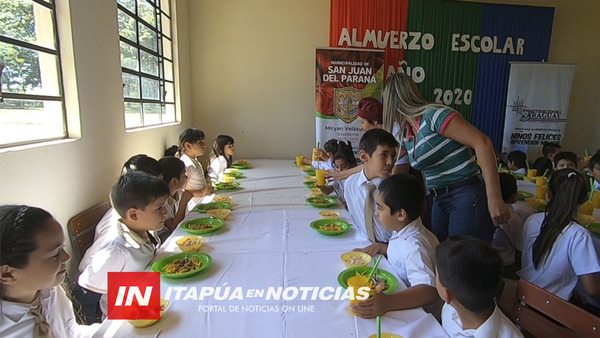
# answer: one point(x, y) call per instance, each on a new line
point(82, 226)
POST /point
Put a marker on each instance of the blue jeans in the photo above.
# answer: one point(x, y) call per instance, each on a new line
point(462, 210)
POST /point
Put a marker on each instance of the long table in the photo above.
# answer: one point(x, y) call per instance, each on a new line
point(267, 244)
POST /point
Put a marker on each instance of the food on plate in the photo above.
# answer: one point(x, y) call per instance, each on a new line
point(186, 264)
point(331, 227)
point(353, 259)
point(200, 226)
point(223, 198)
point(329, 214)
point(190, 243)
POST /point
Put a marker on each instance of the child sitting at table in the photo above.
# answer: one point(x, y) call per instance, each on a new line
point(550, 149)
point(221, 156)
point(342, 160)
point(377, 151)
point(557, 251)
point(191, 146)
point(594, 166)
point(174, 175)
point(517, 162)
point(139, 199)
point(34, 264)
point(325, 160)
point(468, 280)
point(543, 165)
point(565, 159)
point(410, 251)
point(508, 238)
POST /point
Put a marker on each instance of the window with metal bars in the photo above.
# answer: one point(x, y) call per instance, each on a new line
point(146, 43)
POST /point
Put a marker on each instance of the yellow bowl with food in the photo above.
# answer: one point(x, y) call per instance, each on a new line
point(190, 243)
point(316, 192)
point(227, 179)
point(529, 179)
point(231, 171)
point(164, 304)
point(537, 203)
point(329, 214)
point(223, 199)
point(584, 219)
point(354, 259)
point(219, 213)
point(243, 162)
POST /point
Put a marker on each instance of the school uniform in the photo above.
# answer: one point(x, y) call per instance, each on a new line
point(217, 167)
point(355, 194)
point(172, 207)
point(56, 309)
point(572, 255)
point(521, 171)
point(105, 224)
point(325, 165)
point(596, 185)
point(509, 237)
point(128, 252)
point(195, 174)
point(411, 253)
point(496, 326)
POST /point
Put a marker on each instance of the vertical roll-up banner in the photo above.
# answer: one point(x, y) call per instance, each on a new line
point(536, 106)
point(344, 76)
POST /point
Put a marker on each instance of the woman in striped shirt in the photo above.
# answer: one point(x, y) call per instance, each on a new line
point(440, 143)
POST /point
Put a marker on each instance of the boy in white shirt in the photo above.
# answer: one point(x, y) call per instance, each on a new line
point(469, 275)
point(410, 251)
point(139, 198)
point(377, 151)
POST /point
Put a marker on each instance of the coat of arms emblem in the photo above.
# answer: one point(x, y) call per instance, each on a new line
point(345, 103)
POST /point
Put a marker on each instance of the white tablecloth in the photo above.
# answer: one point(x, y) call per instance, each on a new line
point(267, 242)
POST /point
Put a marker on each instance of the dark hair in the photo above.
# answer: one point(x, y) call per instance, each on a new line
point(518, 157)
point(19, 225)
point(595, 159)
point(569, 189)
point(331, 146)
point(346, 153)
point(218, 149)
point(549, 148)
point(190, 135)
point(172, 167)
point(542, 164)
point(565, 155)
point(171, 151)
point(142, 162)
point(403, 191)
point(376, 137)
point(136, 190)
point(471, 269)
point(508, 186)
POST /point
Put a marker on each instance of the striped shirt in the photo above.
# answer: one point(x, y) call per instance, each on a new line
point(442, 160)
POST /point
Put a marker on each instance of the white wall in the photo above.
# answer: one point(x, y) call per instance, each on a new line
point(69, 177)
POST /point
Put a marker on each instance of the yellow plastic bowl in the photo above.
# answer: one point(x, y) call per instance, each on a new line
point(164, 304)
point(190, 243)
point(231, 171)
point(536, 203)
point(227, 179)
point(386, 335)
point(223, 198)
point(310, 179)
point(316, 192)
point(329, 214)
point(243, 162)
point(529, 179)
point(584, 219)
point(219, 213)
point(355, 259)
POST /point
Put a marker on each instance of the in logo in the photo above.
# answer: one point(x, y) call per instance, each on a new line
point(133, 295)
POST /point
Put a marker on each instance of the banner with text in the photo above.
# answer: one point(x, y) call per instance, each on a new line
point(342, 78)
point(536, 106)
point(457, 52)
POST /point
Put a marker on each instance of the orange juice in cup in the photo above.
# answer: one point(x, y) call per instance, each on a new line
point(315, 154)
point(320, 174)
point(531, 172)
point(541, 191)
point(596, 200)
point(299, 160)
point(356, 282)
point(587, 208)
point(541, 181)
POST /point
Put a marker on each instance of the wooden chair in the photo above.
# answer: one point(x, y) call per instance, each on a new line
point(540, 313)
point(82, 226)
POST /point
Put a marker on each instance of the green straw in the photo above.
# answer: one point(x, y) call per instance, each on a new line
point(585, 151)
point(545, 172)
point(374, 268)
point(591, 190)
point(378, 327)
point(499, 166)
point(527, 164)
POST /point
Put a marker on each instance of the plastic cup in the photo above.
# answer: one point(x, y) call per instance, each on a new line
point(541, 181)
point(541, 191)
point(299, 160)
point(596, 200)
point(315, 154)
point(320, 174)
point(531, 172)
point(356, 282)
point(587, 208)
point(386, 335)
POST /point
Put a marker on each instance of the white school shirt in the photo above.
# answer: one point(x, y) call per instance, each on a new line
point(522, 171)
point(109, 219)
point(509, 235)
point(572, 255)
point(172, 204)
point(355, 194)
point(496, 326)
point(195, 174)
point(325, 165)
point(127, 252)
point(596, 185)
point(217, 167)
point(57, 309)
point(411, 253)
